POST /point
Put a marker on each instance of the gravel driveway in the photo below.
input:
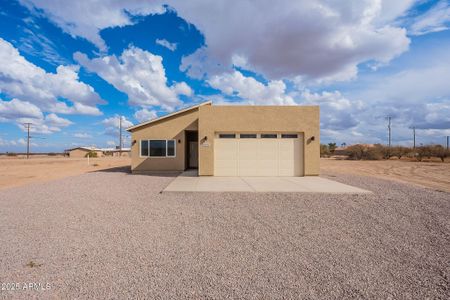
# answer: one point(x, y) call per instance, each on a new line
point(114, 235)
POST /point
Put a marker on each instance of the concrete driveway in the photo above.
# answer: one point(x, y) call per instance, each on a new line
point(189, 181)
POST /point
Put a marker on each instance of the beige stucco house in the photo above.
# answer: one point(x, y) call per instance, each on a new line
point(230, 141)
point(80, 152)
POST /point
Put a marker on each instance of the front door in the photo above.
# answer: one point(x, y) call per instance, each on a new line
point(193, 154)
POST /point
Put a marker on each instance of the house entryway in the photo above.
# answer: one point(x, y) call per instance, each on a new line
point(191, 149)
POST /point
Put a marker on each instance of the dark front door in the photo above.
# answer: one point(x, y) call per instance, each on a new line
point(191, 149)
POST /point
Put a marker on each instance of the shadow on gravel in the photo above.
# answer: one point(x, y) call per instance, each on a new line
point(124, 169)
point(127, 170)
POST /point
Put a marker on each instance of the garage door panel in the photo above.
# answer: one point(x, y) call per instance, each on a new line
point(225, 157)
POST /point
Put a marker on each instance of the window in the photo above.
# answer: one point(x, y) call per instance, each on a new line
point(289, 136)
point(268, 135)
point(171, 148)
point(247, 135)
point(227, 136)
point(158, 148)
point(144, 148)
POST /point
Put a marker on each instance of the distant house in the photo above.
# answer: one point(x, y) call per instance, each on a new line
point(80, 152)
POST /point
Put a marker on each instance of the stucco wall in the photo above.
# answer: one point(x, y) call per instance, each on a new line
point(166, 129)
point(256, 119)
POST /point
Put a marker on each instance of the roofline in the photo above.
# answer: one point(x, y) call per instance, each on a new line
point(169, 115)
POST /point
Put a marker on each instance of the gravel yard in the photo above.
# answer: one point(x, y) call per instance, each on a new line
point(114, 235)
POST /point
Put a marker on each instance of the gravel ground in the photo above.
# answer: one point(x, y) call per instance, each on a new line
point(114, 235)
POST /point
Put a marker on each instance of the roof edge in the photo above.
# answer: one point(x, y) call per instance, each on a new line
point(168, 115)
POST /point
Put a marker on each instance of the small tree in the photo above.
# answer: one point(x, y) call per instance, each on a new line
point(332, 147)
point(91, 154)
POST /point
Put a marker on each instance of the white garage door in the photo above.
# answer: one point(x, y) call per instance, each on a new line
point(258, 154)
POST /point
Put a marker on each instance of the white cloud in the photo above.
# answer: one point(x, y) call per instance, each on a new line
point(87, 18)
point(165, 43)
point(138, 73)
point(310, 38)
point(336, 111)
point(112, 126)
point(14, 109)
point(54, 120)
point(82, 135)
point(144, 115)
point(22, 79)
point(111, 143)
point(21, 112)
point(313, 39)
point(250, 90)
point(435, 19)
point(115, 122)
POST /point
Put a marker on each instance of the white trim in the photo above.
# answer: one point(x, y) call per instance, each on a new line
point(169, 115)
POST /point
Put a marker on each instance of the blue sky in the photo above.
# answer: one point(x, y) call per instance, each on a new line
point(71, 68)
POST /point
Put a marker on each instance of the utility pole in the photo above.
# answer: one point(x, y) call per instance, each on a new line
point(448, 137)
point(414, 133)
point(389, 130)
point(28, 139)
point(120, 136)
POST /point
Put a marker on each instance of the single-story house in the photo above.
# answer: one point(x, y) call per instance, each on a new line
point(79, 152)
point(230, 141)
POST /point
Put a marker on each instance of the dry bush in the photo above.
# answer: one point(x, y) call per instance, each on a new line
point(324, 150)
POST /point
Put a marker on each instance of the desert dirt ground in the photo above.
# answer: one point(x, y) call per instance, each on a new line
point(19, 171)
point(435, 175)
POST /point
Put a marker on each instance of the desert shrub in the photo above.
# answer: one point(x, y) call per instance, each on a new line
point(374, 153)
point(423, 151)
point(11, 154)
point(91, 154)
point(439, 151)
point(355, 152)
point(52, 154)
point(324, 150)
point(400, 151)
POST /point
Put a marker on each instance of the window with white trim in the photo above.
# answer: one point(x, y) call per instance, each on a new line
point(158, 148)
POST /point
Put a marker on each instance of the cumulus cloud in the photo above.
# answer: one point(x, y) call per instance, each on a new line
point(22, 79)
point(144, 115)
point(435, 19)
point(165, 43)
point(336, 111)
point(14, 109)
point(251, 90)
point(313, 39)
point(310, 38)
point(87, 18)
point(21, 112)
point(138, 73)
point(82, 135)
